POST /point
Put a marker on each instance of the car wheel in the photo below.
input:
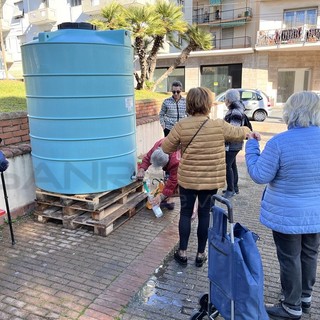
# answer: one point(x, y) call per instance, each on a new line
point(259, 115)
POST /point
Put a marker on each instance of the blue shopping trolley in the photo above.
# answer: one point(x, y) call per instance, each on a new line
point(234, 270)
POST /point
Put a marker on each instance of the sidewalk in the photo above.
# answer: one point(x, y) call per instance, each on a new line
point(55, 273)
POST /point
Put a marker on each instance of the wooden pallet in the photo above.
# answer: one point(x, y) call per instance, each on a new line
point(99, 204)
point(110, 214)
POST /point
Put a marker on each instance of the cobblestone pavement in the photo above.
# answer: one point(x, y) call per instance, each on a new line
point(55, 273)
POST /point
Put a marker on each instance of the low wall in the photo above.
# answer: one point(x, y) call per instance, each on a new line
point(19, 177)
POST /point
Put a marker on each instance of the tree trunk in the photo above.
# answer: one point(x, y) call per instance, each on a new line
point(141, 52)
point(152, 58)
point(179, 60)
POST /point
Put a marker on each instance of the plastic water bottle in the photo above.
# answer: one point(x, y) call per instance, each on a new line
point(156, 209)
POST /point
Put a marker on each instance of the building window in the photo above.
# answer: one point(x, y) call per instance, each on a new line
point(18, 10)
point(177, 74)
point(291, 81)
point(300, 18)
point(74, 3)
point(221, 78)
point(181, 3)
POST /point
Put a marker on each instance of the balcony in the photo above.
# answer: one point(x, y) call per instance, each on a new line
point(5, 25)
point(285, 37)
point(209, 16)
point(232, 43)
point(42, 16)
point(93, 7)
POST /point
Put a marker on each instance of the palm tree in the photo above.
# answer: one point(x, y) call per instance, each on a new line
point(197, 39)
point(172, 22)
point(144, 23)
point(113, 18)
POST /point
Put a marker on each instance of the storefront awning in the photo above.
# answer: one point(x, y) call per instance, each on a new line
point(231, 24)
point(215, 2)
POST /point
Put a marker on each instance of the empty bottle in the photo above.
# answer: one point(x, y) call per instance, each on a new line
point(155, 208)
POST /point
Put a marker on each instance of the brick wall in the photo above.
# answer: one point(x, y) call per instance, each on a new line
point(147, 109)
point(14, 132)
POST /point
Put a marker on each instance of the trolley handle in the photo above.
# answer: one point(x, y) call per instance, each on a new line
point(225, 202)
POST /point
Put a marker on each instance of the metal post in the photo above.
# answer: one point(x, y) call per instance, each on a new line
point(7, 207)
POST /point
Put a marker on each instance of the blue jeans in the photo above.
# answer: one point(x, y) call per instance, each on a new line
point(297, 255)
point(187, 200)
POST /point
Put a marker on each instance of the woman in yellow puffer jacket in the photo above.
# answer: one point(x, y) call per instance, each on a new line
point(202, 168)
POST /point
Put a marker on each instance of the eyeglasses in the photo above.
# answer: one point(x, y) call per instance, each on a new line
point(174, 92)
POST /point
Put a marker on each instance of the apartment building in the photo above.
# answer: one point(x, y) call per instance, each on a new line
point(265, 44)
point(270, 45)
point(22, 20)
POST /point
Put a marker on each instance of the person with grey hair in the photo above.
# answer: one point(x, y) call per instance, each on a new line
point(234, 116)
point(169, 163)
point(173, 109)
point(159, 158)
point(289, 165)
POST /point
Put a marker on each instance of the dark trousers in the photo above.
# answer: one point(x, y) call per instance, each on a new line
point(187, 200)
point(297, 255)
point(166, 132)
point(232, 171)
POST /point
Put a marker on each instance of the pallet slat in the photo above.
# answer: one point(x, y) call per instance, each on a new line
point(102, 212)
point(91, 203)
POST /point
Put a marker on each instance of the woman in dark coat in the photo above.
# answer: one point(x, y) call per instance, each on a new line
point(234, 116)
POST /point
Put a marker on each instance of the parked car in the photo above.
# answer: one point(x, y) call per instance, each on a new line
point(257, 103)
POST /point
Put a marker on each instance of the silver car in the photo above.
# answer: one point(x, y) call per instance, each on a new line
point(257, 103)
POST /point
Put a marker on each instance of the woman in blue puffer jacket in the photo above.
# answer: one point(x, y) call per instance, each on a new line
point(290, 166)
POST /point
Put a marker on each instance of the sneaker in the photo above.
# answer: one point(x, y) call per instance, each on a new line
point(167, 205)
point(306, 307)
point(278, 312)
point(228, 194)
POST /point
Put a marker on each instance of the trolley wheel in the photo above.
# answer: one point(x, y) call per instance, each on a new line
point(203, 301)
point(198, 315)
point(214, 313)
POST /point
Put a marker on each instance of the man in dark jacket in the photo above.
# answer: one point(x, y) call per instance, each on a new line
point(234, 116)
point(169, 163)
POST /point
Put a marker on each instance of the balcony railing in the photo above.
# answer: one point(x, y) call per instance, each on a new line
point(299, 35)
point(92, 7)
point(42, 16)
point(207, 15)
point(232, 43)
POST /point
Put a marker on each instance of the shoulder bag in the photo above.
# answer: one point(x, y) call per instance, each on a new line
point(203, 123)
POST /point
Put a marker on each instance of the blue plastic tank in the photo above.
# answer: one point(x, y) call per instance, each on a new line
point(80, 100)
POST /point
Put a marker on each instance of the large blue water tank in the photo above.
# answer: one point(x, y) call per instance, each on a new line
point(80, 99)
